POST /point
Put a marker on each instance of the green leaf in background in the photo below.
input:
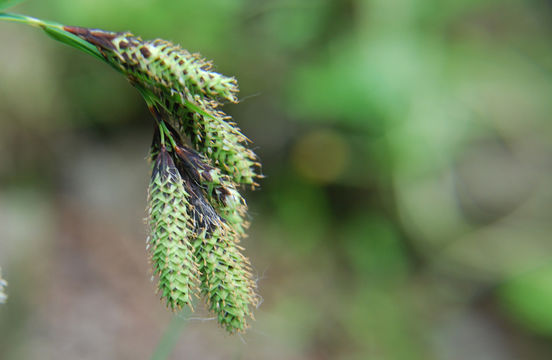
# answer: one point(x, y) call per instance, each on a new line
point(528, 299)
point(5, 4)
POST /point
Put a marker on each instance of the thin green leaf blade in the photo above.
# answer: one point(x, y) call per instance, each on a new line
point(56, 31)
point(4, 4)
point(73, 41)
point(16, 18)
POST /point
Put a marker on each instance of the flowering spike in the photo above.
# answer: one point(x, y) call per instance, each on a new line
point(183, 86)
point(170, 251)
point(196, 214)
point(159, 63)
point(184, 96)
point(222, 142)
point(225, 279)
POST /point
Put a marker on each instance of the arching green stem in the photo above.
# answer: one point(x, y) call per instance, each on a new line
point(164, 129)
point(56, 31)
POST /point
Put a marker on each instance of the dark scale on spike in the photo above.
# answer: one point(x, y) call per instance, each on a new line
point(100, 38)
point(145, 52)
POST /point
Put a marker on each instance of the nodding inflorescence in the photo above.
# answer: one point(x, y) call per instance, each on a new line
point(196, 213)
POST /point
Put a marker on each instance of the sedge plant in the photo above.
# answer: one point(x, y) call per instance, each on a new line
point(200, 162)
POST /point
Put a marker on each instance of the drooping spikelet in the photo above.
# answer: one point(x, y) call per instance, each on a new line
point(170, 232)
point(3, 284)
point(225, 279)
point(159, 63)
point(211, 133)
point(197, 215)
point(184, 87)
point(224, 273)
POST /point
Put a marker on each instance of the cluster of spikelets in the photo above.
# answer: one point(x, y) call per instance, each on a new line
point(200, 159)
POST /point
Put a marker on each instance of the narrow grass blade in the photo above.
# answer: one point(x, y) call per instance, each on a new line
point(56, 31)
point(73, 41)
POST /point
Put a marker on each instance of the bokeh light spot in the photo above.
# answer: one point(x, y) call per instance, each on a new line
point(321, 156)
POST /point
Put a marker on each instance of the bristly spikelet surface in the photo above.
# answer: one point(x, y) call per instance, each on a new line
point(160, 62)
point(225, 274)
point(225, 279)
point(183, 87)
point(212, 134)
point(197, 215)
point(170, 250)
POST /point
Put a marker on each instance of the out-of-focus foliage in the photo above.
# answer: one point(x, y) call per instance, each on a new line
point(3, 285)
point(406, 208)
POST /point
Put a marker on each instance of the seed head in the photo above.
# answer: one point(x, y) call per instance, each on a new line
point(184, 87)
point(171, 253)
point(197, 215)
point(225, 279)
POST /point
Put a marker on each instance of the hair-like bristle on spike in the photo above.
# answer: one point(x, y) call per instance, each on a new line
point(161, 63)
point(225, 280)
point(223, 143)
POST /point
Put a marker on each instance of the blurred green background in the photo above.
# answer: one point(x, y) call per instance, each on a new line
point(406, 210)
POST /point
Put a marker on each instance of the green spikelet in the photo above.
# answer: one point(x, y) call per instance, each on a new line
point(224, 272)
point(182, 86)
point(159, 64)
point(196, 214)
point(171, 253)
point(225, 279)
point(3, 284)
point(212, 134)
point(193, 194)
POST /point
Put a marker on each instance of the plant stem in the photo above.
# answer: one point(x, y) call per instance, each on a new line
point(168, 134)
point(56, 31)
point(161, 134)
point(167, 342)
point(29, 20)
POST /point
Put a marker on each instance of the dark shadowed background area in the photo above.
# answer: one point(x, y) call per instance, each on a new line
point(406, 210)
